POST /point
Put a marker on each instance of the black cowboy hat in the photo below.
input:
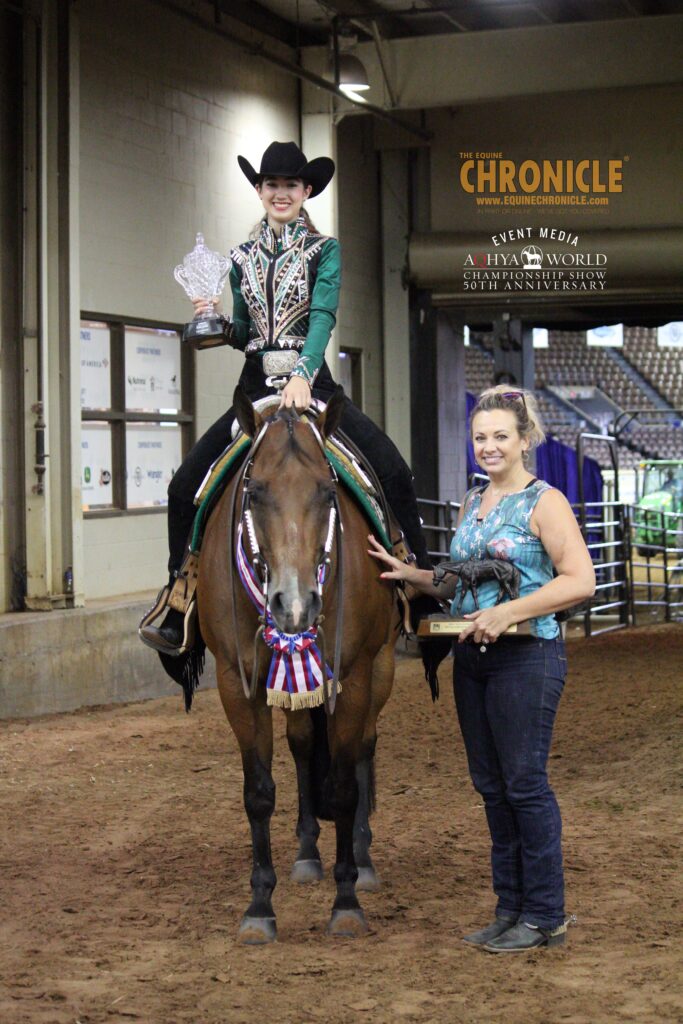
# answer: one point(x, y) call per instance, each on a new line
point(285, 160)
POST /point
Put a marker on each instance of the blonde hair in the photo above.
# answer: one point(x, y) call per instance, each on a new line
point(518, 401)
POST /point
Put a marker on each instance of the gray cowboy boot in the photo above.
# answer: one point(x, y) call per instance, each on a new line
point(523, 937)
point(502, 924)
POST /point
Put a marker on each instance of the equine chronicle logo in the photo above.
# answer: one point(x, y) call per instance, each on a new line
point(563, 267)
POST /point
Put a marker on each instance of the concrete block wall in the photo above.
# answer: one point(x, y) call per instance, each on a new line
point(70, 659)
point(165, 109)
point(360, 309)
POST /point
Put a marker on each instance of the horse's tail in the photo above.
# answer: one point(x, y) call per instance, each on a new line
point(320, 762)
point(432, 652)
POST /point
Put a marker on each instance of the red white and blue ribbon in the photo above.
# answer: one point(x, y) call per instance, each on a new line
point(297, 671)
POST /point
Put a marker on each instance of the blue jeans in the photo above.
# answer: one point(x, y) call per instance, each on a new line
point(506, 699)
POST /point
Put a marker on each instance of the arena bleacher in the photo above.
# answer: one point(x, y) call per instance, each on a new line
point(641, 375)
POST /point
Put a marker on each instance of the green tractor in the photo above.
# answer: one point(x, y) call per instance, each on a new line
point(662, 494)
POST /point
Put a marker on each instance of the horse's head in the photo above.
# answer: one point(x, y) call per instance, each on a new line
point(290, 493)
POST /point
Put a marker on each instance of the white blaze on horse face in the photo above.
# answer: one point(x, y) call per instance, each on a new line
point(293, 602)
point(292, 534)
point(292, 537)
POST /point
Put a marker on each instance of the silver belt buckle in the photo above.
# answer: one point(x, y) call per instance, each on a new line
point(277, 364)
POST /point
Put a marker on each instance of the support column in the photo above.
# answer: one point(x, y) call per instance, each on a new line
point(36, 478)
point(51, 311)
point(319, 138)
point(438, 404)
point(513, 352)
point(513, 358)
point(12, 545)
point(423, 398)
point(396, 323)
point(451, 407)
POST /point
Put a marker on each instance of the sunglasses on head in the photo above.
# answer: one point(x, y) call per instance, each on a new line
point(512, 396)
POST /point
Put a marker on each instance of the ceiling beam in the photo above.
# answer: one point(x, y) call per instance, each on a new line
point(359, 12)
point(270, 24)
point(258, 51)
point(445, 70)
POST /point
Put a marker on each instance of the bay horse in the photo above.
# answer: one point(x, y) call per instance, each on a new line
point(290, 490)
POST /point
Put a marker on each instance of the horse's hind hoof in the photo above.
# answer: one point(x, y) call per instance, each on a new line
point(367, 880)
point(257, 931)
point(347, 924)
point(305, 871)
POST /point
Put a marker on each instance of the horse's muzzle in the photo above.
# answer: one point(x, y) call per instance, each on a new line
point(295, 612)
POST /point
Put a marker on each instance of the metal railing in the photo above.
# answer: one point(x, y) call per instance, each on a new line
point(656, 565)
point(438, 524)
point(605, 529)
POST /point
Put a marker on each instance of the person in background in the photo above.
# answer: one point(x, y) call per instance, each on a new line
point(507, 686)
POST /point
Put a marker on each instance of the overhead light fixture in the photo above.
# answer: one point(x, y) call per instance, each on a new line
point(345, 68)
point(352, 75)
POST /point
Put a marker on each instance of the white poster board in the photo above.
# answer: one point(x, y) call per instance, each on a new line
point(540, 337)
point(95, 366)
point(96, 462)
point(607, 337)
point(152, 370)
point(670, 335)
point(153, 453)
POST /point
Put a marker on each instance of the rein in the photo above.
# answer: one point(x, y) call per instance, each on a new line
point(262, 571)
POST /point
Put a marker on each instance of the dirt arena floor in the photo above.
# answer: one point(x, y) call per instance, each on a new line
point(125, 866)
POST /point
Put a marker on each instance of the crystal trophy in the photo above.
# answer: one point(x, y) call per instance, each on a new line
point(203, 274)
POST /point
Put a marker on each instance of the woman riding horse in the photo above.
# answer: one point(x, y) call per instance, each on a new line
point(285, 286)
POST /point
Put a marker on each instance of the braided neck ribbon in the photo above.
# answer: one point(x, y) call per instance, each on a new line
point(297, 671)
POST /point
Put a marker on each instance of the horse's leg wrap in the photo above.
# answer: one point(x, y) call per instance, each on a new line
point(259, 802)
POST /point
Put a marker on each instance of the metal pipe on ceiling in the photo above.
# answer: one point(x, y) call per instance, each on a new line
point(258, 50)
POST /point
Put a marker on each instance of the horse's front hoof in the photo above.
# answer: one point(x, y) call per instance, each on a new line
point(368, 880)
point(347, 924)
point(305, 871)
point(257, 931)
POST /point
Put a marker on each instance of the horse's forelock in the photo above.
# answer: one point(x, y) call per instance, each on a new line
point(289, 417)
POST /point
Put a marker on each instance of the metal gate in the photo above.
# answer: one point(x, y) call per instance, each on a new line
point(605, 529)
point(656, 566)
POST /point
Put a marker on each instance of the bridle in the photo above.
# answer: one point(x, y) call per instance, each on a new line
point(262, 570)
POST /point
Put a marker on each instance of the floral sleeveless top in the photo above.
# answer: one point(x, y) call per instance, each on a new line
point(505, 533)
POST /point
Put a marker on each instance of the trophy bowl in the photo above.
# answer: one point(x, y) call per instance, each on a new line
point(203, 274)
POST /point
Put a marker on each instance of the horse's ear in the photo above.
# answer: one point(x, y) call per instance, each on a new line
point(330, 418)
point(249, 420)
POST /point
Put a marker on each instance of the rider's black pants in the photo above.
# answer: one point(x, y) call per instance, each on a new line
point(381, 452)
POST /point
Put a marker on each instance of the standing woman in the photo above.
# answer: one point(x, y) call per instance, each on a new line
point(285, 287)
point(507, 687)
